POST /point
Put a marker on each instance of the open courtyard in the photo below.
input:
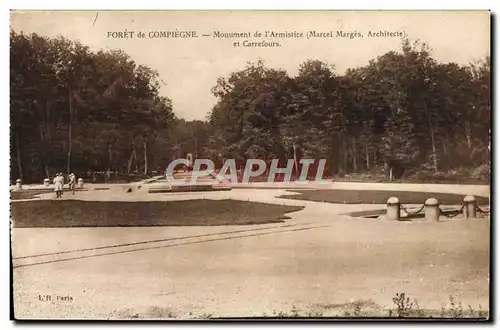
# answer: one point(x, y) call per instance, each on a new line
point(295, 258)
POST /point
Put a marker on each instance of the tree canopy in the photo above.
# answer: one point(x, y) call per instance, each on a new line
point(78, 110)
point(402, 108)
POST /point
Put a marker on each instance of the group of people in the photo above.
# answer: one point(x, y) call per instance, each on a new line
point(59, 184)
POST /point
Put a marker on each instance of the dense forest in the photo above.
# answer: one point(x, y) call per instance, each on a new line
point(74, 110)
point(403, 109)
point(78, 110)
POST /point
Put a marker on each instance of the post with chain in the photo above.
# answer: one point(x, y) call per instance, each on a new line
point(393, 209)
point(432, 211)
point(470, 206)
point(19, 184)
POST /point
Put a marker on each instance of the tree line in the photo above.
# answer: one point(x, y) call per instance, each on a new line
point(75, 110)
point(402, 110)
point(78, 110)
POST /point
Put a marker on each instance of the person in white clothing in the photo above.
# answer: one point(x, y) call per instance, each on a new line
point(72, 183)
point(58, 186)
point(62, 183)
point(54, 182)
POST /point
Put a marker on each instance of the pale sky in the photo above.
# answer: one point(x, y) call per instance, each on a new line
point(190, 67)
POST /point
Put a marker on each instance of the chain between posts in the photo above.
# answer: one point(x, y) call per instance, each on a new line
point(454, 213)
point(482, 211)
point(412, 213)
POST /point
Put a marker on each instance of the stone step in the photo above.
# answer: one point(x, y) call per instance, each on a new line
point(186, 188)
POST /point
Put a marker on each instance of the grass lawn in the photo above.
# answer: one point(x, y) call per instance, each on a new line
point(73, 213)
point(377, 197)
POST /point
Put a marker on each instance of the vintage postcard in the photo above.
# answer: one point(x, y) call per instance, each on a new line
point(196, 165)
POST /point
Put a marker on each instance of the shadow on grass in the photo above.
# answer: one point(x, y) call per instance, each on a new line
point(74, 213)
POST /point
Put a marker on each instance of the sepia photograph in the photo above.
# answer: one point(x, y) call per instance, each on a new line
point(178, 165)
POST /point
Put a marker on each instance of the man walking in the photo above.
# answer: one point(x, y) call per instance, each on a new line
point(72, 183)
point(58, 185)
point(61, 175)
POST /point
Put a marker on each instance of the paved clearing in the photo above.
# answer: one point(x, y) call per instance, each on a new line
point(317, 261)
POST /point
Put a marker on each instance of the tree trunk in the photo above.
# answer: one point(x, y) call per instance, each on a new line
point(434, 156)
point(70, 141)
point(129, 167)
point(110, 156)
point(332, 155)
point(354, 160)
point(433, 140)
point(445, 148)
point(195, 140)
point(19, 157)
point(468, 134)
point(344, 151)
point(367, 154)
point(342, 158)
point(145, 158)
point(341, 155)
point(68, 167)
point(446, 163)
point(136, 163)
point(44, 154)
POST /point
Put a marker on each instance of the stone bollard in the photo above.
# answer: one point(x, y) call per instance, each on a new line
point(80, 183)
point(19, 184)
point(46, 182)
point(393, 208)
point(470, 206)
point(432, 211)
